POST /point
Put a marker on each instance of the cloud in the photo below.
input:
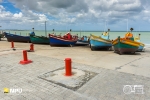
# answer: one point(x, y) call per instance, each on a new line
point(61, 12)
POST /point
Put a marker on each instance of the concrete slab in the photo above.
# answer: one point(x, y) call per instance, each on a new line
point(74, 82)
point(113, 73)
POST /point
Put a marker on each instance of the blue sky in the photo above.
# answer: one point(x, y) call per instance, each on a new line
point(75, 14)
point(10, 7)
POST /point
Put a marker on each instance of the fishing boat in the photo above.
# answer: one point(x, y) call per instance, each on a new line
point(66, 40)
point(83, 41)
point(102, 41)
point(126, 44)
point(39, 39)
point(137, 39)
point(16, 38)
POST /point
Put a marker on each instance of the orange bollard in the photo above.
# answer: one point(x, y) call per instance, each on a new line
point(32, 47)
point(25, 58)
point(68, 67)
point(12, 44)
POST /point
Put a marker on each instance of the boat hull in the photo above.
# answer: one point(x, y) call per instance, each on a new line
point(125, 46)
point(81, 42)
point(56, 41)
point(99, 43)
point(39, 40)
point(17, 38)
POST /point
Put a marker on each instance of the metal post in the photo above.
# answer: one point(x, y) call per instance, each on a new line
point(68, 67)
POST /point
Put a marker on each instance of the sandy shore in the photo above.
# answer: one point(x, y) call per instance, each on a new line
point(135, 65)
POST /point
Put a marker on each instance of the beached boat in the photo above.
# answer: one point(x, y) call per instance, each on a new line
point(102, 41)
point(137, 39)
point(126, 44)
point(16, 38)
point(66, 40)
point(83, 41)
point(39, 39)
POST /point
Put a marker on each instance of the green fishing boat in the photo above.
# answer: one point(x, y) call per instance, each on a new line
point(122, 45)
point(126, 44)
point(39, 39)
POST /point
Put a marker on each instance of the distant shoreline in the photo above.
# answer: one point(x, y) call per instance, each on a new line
point(72, 31)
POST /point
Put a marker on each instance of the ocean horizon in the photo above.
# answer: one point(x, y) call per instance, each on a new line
point(145, 35)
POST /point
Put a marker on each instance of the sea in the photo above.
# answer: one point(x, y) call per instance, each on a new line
point(145, 35)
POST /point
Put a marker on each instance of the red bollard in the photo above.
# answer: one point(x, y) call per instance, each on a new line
point(68, 67)
point(31, 47)
point(25, 58)
point(12, 44)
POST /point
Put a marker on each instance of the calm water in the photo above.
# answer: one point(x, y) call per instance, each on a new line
point(145, 36)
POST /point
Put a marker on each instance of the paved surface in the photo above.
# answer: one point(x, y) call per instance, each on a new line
point(114, 72)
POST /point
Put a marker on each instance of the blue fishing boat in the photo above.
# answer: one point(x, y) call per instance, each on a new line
point(16, 38)
point(102, 41)
point(83, 41)
point(137, 39)
point(66, 40)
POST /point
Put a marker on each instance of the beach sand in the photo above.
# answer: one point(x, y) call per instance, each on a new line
point(114, 71)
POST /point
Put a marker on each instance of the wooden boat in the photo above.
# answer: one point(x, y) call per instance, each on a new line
point(16, 38)
point(126, 44)
point(83, 41)
point(39, 39)
point(102, 41)
point(66, 40)
point(137, 39)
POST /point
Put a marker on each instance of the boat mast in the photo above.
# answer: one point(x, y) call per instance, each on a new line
point(139, 36)
point(33, 29)
point(53, 31)
point(80, 33)
point(108, 32)
point(45, 30)
point(104, 26)
point(70, 30)
point(127, 25)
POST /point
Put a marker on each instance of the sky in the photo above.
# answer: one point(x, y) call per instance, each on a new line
point(82, 15)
